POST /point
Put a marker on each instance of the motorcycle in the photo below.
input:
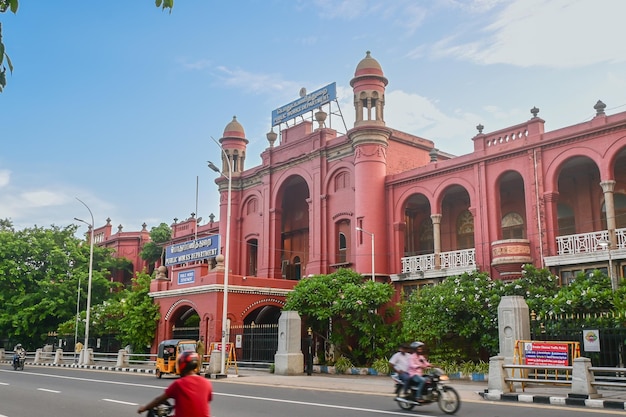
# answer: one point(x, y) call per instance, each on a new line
point(18, 361)
point(165, 409)
point(435, 391)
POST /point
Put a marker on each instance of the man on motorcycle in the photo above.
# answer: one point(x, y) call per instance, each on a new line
point(417, 365)
point(399, 363)
point(191, 393)
point(18, 352)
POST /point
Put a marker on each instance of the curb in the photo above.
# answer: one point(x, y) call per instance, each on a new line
point(571, 399)
point(94, 367)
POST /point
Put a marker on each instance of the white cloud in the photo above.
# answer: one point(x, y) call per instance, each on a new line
point(5, 177)
point(255, 83)
point(554, 33)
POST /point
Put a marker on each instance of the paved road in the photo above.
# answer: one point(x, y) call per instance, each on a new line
point(62, 392)
point(468, 390)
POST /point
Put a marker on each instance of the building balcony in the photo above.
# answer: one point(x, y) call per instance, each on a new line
point(426, 266)
point(585, 248)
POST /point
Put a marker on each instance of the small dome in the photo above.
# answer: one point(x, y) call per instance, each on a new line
point(368, 66)
point(234, 129)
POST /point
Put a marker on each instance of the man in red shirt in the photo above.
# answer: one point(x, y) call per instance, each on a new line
point(191, 393)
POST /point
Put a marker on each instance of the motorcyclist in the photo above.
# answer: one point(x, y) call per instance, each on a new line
point(399, 363)
point(191, 393)
point(416, 369)
point(18, 352)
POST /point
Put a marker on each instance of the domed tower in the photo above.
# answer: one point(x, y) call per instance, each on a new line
point(369, 85)
point(369, 139)
point(234, 143)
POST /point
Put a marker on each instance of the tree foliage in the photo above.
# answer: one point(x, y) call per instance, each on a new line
point(342, 306)
point(458, 317)
point(40, 271)
point(130, 314)
point(5, 5)
point(155, 250)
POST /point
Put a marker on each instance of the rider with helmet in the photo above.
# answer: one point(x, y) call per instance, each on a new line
point(18, 352)
point(399, 363)
point(191, 393)
point(417, 365)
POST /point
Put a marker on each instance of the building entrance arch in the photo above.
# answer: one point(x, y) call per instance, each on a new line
point(185, 323)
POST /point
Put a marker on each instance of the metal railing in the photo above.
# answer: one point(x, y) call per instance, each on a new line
point(581, 378)
point(458, 259)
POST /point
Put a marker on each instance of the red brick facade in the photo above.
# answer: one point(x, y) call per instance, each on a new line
point(522, 196)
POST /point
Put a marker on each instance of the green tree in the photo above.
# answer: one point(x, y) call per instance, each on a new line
point(39, 273)
point(342, 305)
point(138, 324)
point(456, 318)
point(130, 315)
point(5, 5)
point(155, 249)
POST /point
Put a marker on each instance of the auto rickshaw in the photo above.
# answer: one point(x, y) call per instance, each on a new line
point(167, 355)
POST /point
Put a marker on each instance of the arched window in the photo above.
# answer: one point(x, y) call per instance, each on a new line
point(465, 230)
point(427, 241)
point(342, 180)
point(513, 226)
point(252, 206)
point(253, 252)
point(342, 247)
point(565, 217)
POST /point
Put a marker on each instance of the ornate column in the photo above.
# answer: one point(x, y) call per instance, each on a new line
point(436, 219)
point(609, 205)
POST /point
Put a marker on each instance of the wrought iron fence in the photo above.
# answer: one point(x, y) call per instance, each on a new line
point(255, 342)
point(610, 328)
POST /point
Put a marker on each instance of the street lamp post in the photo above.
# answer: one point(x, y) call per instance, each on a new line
point(372, 235)
point(87, 318)
point(605, 244)
point(77, 319)
point(226, 253)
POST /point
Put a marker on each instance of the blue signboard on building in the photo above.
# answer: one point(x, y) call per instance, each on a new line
point(186, 277)
point(304, 104)
point(194, 250)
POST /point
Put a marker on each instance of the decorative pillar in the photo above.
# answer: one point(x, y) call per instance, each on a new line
point(609, 205)
point(513, 324)
point(436, 219)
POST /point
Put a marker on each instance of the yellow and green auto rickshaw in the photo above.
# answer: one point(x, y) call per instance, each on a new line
point(167, 355)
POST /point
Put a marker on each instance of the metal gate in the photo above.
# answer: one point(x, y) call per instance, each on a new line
point(255, 342)
point(190, 333)
point(575, 329)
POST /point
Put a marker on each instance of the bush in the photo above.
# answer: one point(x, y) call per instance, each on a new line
point(382, 366)
point(343, 364)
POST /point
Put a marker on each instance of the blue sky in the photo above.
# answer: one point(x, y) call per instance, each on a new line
point(117, 105)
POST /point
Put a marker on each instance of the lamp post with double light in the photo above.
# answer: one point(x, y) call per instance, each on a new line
point(372, 235)
point(87, 317)
point(226, 252)
point(606, 244)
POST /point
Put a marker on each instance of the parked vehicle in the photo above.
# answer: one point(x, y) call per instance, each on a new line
point(18, 361)
point(167, 355)
point(435, 391)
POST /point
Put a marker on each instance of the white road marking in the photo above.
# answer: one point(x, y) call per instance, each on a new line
point(48, 390)
point(341, 407)
point(118, 402)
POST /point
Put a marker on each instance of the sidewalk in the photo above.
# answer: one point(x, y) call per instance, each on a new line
point(469, 391)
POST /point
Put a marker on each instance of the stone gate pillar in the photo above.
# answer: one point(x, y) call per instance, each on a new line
point(513, 324)
point(289, 359)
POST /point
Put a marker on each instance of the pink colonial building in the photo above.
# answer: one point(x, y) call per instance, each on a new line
point(389, 204)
